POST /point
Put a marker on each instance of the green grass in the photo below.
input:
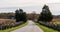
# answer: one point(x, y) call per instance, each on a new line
point(46, 29)
point(57, 23)
point(14, 28)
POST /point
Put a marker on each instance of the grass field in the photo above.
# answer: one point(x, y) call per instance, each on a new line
point(14, 28)
point(46, 29)
point(7, 21)
point(56, 21)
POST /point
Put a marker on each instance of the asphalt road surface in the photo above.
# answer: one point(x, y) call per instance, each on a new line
point(31, 27)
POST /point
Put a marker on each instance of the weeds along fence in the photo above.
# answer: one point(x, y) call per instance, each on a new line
point(50, 25)
point(6, 26)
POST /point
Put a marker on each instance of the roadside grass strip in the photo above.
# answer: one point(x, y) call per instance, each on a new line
point(14, 28)
point(46, 29)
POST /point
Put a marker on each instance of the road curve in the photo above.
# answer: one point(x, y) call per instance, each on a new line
point(31, 27)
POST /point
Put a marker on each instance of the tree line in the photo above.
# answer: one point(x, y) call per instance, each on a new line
point(20, 15)
point(45, 15)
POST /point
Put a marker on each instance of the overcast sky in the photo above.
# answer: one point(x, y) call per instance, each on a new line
point(30, 5)
point(23, 3)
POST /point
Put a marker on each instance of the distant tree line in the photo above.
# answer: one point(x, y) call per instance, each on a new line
point(6, 15)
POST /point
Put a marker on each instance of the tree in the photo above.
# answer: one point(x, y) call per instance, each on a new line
point(45, 15)
point(17, 15)
point(20, 15)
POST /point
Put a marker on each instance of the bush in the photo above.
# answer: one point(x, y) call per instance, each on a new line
point(6, 26)
point(56, 27)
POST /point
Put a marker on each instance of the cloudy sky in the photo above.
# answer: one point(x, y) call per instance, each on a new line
point(29, 5)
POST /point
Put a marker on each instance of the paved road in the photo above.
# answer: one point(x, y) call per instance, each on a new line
point(31, 27)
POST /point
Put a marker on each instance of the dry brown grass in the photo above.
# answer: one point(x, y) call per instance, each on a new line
point(7, 21)
point(56, 21)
